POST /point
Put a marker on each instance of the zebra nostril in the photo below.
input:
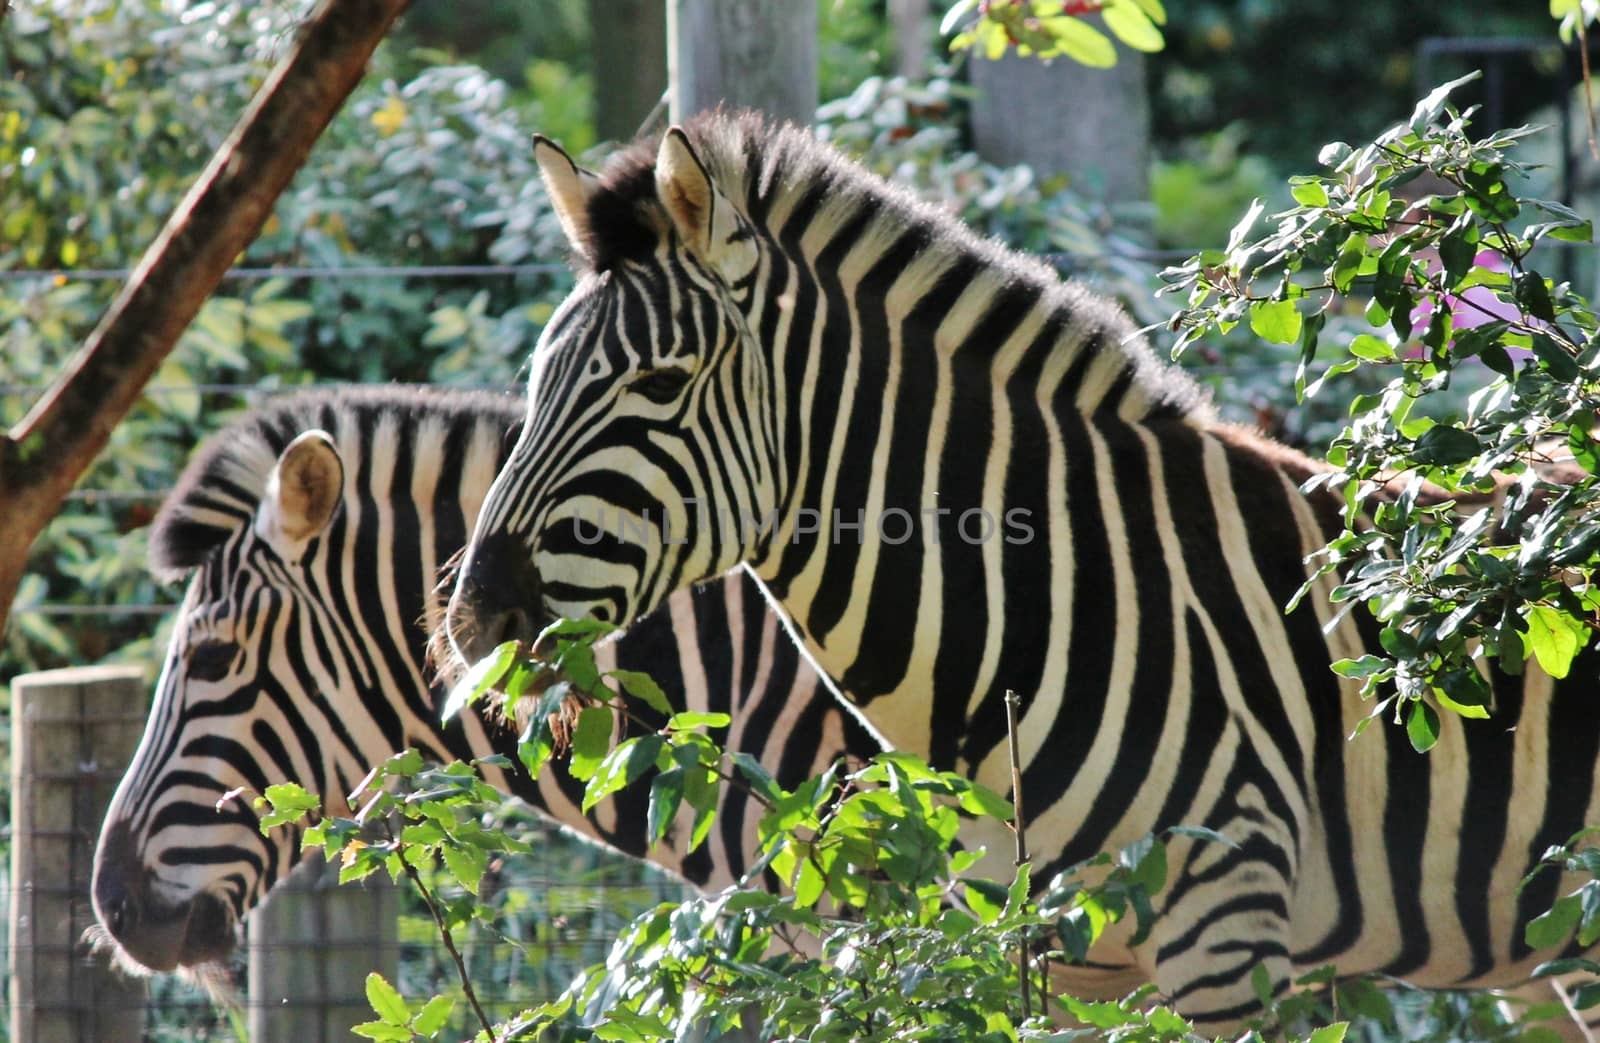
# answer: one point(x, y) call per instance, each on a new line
point(495, 600)
point(516, 625)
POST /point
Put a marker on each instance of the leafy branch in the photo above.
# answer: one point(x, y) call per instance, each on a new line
point(1470, 535)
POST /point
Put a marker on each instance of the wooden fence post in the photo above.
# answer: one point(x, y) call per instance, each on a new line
point(73, 733)
point(312, 944)
point(756, 53)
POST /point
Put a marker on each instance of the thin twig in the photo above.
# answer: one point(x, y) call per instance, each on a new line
point(1012, 702)
point(449, 943)
point(1588, 93)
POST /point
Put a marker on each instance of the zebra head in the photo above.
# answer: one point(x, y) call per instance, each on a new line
point(614, 494)
point(180, 858)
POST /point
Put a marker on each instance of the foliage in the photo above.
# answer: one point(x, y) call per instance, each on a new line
point(912, 943)
point(1575, 915)
point(1574, 16)
point(876, 928)
point(1052, 28)
point(1458, 536)
point(101, 132)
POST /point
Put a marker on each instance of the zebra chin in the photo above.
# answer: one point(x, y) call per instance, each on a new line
point(147, 934)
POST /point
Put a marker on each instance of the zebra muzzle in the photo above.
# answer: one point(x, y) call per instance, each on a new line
point(497, 599)
point(157, 935)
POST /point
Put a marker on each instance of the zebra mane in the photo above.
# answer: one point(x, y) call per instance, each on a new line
point(222, 486)
point(757, 165)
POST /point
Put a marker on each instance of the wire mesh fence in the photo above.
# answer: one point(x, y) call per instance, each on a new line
point(300, 976)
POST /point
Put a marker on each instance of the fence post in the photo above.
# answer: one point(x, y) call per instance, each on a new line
point(73, 733)
point(312, 944)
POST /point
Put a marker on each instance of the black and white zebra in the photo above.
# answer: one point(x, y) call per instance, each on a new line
point(313, 530)
point(959, 475)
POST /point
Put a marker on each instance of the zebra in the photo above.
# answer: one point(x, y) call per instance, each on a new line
point(312, 529)
point(958, 474)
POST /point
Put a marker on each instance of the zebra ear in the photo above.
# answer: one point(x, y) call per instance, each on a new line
point(703, 215)
point(302, 491)
point(570, 187)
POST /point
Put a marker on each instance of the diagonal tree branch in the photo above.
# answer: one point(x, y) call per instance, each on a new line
point(48, 451)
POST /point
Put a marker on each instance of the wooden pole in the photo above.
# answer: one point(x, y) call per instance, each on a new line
point(312, 944)
point(1064, 118)
point(628, 44)
point(73, 733)
point(759, 54)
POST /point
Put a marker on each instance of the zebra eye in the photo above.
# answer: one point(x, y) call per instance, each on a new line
point(210, 661)
point(660, 386)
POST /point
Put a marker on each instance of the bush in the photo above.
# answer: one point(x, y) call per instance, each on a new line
point(1468, 535)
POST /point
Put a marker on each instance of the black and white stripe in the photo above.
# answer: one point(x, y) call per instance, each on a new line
point(307, 663)
point(762, 326)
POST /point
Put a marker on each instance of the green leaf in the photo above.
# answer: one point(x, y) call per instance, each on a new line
point(386, 1001)
point(986, 898)
point(1585, 995)
point(981, 800)
point(482, 677)
point(590, 741)
point(382, 1031)
point(692, 719)
point(289, 803)
point(1082, 42)
point(1557, 361)
point(1464, 692)
point(1445, 444)
point(1371, 348)
point(1261, 984)
point(1555, 926)
point(1422, 727)
point(1133, 27)
point(465, 863)
point(1456, 252)
point(760, 779)
point(644, 688)
point(1366, 666)
point(433, 1016)
point(1430, 107)
point(808, 884)
point(1555, 637)
point(535, 745)
point(1308, 192)
point(1534, 296)
point(666, 793)
point(624, 765)
point(1329, 1033)
point(1153, 8)
point(1277, 322)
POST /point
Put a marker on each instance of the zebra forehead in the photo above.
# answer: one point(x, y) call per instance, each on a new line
point(222, 485)
point(742, 150)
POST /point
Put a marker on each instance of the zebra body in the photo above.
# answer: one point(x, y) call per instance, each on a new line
point(765, 339)
point(314, 529)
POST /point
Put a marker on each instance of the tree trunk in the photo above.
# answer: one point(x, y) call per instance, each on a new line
point(759, 54)
point(45, 455)
point(628, 42)
point(1092, 125)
